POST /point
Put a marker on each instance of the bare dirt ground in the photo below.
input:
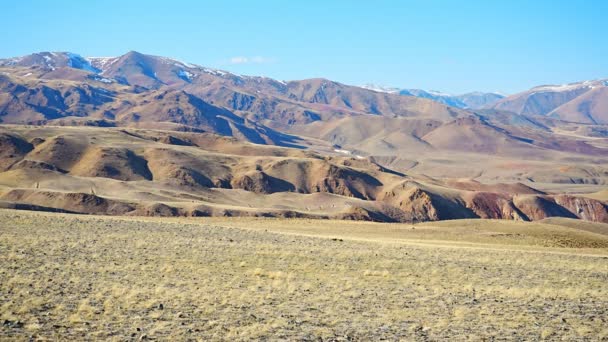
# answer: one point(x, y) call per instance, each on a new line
point(91, 277)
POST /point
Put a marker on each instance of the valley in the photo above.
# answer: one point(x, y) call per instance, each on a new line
point(327, 171)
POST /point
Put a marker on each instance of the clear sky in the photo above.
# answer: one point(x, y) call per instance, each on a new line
point(453, 46)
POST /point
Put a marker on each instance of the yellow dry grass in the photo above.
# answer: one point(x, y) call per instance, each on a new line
point(89, 278)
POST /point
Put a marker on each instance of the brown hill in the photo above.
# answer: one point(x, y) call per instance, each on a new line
point(376, 135)
point(475, 135)
point(151, 172)
point(115, 163)
point(12, 149)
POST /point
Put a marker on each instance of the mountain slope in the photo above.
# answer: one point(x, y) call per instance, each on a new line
point(477, 100)
point(590, 107)
point(583, 102)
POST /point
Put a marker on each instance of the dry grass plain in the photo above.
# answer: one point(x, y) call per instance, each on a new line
point(115, 278)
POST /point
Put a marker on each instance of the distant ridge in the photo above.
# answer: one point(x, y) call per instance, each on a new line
point(583, 102)
point(472, 100)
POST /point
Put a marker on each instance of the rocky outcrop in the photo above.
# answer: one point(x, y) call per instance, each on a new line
point(489, 205)
point(540, 207)
point(419, 204)
point(584, 208)
point(187, 177)
point(260, 182)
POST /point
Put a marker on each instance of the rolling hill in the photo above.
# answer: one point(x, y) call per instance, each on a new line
point(150, 172)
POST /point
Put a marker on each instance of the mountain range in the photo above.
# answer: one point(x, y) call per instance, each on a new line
point(583, 102)
point(177, 133)
point(472, 100)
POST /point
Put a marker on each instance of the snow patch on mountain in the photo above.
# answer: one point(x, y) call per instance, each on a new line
point(187, 65)
point(379, 88)
point(11, 61)
point(185, 75)
point(102, 79)
point(49, 63)
point(215, 72)
point(178, 63)
point(568, 86)
point(349, 153)
point(101, 63)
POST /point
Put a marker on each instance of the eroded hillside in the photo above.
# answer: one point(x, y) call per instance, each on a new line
point(166, 173)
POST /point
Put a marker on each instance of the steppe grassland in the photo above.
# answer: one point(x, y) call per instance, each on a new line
point(87, 277)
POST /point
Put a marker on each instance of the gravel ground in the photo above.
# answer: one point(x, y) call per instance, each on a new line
point(89, 278)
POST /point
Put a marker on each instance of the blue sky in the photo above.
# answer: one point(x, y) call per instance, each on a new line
point(453, 46)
